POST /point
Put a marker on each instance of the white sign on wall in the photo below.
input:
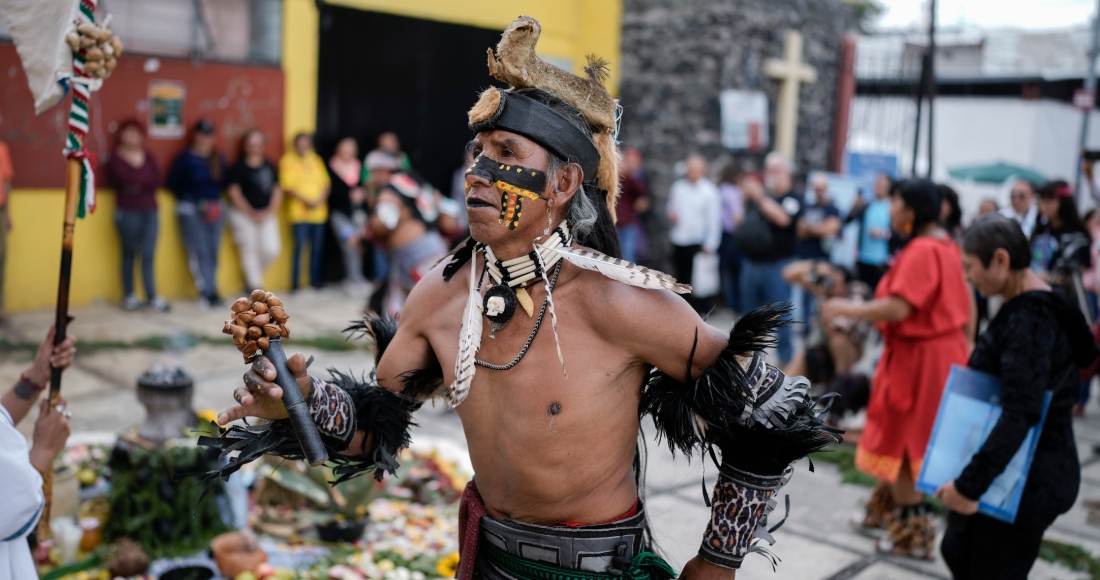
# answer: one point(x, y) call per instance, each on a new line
point(744, 119)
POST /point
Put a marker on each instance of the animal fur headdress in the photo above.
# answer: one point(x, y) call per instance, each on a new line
point(516, 63)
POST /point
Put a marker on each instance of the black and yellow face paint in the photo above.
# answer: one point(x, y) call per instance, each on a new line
point(514, 182)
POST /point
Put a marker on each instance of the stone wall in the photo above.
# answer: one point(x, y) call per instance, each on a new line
point(678, 55)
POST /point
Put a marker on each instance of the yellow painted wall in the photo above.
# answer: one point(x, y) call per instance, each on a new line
point(301, 28)
point(34, 255)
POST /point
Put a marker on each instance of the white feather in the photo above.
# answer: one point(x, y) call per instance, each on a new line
point(621, 270)
point(553, 315)
point(469, 341)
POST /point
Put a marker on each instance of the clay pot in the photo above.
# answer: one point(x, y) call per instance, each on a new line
point(258, 295)
point(254, 332)
point(271, 330)
point(259, 307)
point(241, 305)
point(231, 558)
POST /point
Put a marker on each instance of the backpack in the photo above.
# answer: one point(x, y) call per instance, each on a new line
point(753, 236)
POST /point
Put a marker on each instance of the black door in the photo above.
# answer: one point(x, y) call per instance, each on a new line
point(379, 72)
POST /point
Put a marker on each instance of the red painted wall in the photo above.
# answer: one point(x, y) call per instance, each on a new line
point(235, 97)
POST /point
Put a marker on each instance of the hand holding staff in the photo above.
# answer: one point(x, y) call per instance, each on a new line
point(258, 325)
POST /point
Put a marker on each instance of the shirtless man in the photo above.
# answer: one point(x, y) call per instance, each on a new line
point(550, 448)
point(404, 217)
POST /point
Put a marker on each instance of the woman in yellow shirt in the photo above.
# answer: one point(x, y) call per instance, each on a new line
point(305, 182)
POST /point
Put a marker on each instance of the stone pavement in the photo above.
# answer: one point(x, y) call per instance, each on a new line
point(815, 543)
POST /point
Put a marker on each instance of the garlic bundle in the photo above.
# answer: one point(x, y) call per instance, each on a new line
point(100, 46)
point(256, 320)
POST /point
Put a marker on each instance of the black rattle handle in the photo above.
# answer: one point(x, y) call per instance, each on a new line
point(296, 408)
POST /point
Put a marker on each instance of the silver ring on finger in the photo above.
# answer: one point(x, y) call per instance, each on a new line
point(59, 408)
point(67, 414)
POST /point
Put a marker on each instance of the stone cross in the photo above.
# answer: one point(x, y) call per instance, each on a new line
point(790, 72)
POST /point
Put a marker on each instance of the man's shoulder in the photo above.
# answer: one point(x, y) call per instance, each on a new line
point(432, 291)
point(610, 299)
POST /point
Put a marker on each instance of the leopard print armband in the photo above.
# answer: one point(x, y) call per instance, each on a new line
point(739, 514)
point(332, 410)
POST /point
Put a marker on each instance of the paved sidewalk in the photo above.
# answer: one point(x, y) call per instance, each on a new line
point(815, 543)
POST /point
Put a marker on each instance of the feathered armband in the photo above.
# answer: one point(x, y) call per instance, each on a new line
point(340, 407)
point(761, 421)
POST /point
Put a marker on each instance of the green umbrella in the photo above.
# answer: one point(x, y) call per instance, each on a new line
point(998, 172)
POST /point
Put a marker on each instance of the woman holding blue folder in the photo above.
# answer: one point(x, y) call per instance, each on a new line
point(1036, 343)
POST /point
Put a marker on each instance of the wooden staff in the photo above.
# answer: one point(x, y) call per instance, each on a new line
point(61, 317)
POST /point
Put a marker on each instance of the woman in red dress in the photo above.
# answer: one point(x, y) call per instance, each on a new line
point(921, 306)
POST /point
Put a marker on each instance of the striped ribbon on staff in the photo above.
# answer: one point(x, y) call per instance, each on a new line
point(78, 120)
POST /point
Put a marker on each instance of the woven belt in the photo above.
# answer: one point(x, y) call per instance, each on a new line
point(599, 548)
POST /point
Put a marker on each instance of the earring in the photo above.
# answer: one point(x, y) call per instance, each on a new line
point(549, 217)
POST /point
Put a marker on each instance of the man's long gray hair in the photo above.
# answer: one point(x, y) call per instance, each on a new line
point(582, 213)
point(588, 213)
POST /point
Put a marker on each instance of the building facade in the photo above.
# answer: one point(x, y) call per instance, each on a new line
point(250, 63)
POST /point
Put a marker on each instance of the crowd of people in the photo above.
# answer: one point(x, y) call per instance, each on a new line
point(1013, 295)
point(388, 223)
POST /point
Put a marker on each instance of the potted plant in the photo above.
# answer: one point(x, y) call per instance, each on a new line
point(342, 509)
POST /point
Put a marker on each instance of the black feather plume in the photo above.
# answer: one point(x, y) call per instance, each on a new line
point(756, 330)
point(422, 384)
point(718, 397)
point(384, 413)
point(380, 331)
point(459, 258)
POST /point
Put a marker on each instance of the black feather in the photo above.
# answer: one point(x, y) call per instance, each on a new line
point(665, 400)
point(422, 384)
point(769, 451)
point(756, 330)
point(459, 258)
point(385, 414)
point(381, 329)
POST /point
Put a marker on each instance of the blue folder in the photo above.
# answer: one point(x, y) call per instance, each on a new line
point(969, 409)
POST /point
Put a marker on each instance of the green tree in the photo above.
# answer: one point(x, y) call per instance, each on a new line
point(865, 12)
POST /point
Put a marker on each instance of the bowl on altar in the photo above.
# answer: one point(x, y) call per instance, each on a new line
point(236, 553)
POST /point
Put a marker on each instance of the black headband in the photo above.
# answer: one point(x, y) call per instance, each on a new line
point(521, 114)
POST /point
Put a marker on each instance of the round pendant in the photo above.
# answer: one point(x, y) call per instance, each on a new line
point(499, 305)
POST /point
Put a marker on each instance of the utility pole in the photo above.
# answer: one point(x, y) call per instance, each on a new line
point(1090, 86)
point(931, 80)
point(926, 88)
point(920, 102)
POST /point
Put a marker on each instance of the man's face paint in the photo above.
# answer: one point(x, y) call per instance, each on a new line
point(514, 182)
